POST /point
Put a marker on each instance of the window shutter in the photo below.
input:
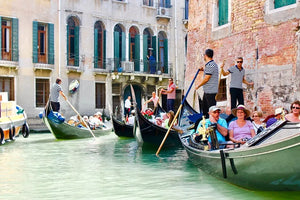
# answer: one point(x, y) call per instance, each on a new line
point(168, 3)
point(154, 46)
point(104, 49)
point(95, 48)
point(68, 45)
point(281, 3)
point(0, 38)
point(51, 44)
point(116, 49)
point(15, 39)
point(123, 46)
point(34, 41)
point(129, 46)
point(76, 46)
point(165, 55)
point(145, 47)
point(137, 53)
point(223, 12)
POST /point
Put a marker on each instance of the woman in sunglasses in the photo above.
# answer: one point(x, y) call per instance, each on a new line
point(294, 115)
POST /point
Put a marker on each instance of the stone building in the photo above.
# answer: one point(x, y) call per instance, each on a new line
point(264, 32)
point(103, 44)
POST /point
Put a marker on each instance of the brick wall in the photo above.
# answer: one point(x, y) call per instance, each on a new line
point(251, 31)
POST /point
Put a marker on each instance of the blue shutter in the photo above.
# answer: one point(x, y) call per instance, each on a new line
point(51, 44)
point(116, 50)
point(0, 38)
point(129, 46)
point(104, 49)
point(166, 56)
point(145, 52)
point(123, 46)
point(95, 48)
point(15, 39)
point(168, 3)
point(76, 46)
point(68, 45)
point(154, 46)
point(137, 53)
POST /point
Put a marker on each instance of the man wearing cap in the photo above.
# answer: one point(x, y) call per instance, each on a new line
point(214, 118)
point(272, 120)
point(209, 82)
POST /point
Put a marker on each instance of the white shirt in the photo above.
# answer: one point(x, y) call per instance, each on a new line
point(127, 103)
point(155, 100)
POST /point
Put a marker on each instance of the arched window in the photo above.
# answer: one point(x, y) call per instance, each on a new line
point(163, 52)
point(134, 47)
point(99, 45)
point(119, 46)
point(149, 44)
point(73, 42)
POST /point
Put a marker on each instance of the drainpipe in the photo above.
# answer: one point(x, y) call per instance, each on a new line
point(59, 50)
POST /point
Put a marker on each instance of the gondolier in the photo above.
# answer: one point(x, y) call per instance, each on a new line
point(56, 90)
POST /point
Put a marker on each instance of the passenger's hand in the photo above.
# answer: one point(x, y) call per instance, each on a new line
point(201, 68)
point(223, 64)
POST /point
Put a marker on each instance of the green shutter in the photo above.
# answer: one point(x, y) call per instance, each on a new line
point(129, 46)
point(168, 3)
point(116, 50)
point(104, 49)
point(15, 39)
point(0, 38)
point(281, 3)
point(51, 44)
point(123, 46)
point(68, 45)
point(154, 46)
point(34, 41)
point(223, 12)
point(95, 48)
point(166, 56)
point(137, 53)
point(145, 47)
point(76, 46)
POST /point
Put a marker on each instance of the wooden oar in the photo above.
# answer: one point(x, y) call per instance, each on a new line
point(88, 127)
point(177, 113)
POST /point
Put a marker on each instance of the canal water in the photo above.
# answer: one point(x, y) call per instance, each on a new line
point(41, 167)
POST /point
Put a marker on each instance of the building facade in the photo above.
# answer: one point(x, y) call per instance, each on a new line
point(264, 32)
point(104, 44)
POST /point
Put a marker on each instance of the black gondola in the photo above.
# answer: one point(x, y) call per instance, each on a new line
point(121, 128)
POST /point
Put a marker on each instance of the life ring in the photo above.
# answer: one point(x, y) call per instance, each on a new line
point(1, 136)
point(12, 132)
point(25, 130)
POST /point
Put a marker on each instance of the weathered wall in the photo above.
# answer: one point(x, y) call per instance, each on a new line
point(253, 30)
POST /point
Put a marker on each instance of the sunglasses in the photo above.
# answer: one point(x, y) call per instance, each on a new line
point(239, 61)
point(295, 107)
point(255, 116)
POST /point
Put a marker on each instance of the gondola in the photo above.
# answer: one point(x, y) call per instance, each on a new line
point(154, 134)
point(268, 161)
point(66, 131)
point(122, 129)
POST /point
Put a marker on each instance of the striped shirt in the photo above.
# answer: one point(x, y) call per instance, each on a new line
point(211, 87)
point(54, 93)
point(237, 77)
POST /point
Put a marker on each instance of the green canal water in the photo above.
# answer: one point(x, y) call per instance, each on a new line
point(41, 167)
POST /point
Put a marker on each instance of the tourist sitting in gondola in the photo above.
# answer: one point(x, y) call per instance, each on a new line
point(294, 116)
point(131, 118)
point(220, 128)
point(241, 130)
point(277, 116)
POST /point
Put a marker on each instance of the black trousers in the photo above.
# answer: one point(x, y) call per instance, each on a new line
point(236, 95)
point(208, 101)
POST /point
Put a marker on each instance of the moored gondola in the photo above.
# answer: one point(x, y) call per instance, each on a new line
point(122, 129)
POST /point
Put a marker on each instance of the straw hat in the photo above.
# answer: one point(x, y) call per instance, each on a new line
point(241, 107)
point(278, 111)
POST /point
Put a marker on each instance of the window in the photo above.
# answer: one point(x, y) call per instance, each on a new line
point(186, 10)
point(148, 2)
point(7, 85)
point(163, 52)
point(119, 46)
point(9, 39)
point(73, 42)
point(149, 44)
point(99, 45)
point(116, 91)
point(281, 3)
point(42, 88)
point(43, 43)
point(134, 47)
point(100, 95)
point(223, 12)
point(165, 3)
